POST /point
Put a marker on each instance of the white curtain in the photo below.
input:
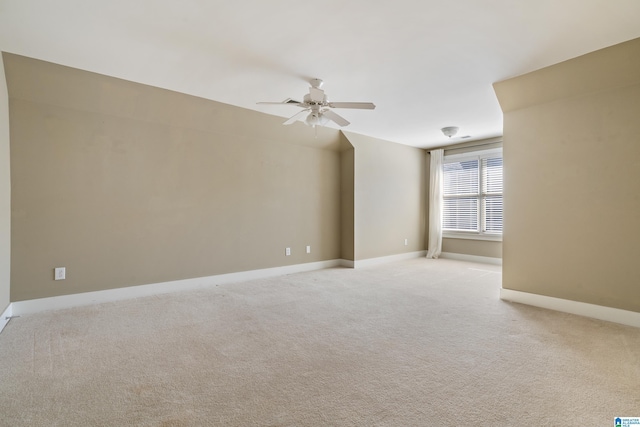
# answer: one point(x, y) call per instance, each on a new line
point(435, 204)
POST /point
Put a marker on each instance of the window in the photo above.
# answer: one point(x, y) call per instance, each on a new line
point(473, 195)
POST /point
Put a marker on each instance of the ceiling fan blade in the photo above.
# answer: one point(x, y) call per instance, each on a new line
point(287, 101)
point(316, 95)
point(295, 117)
point(355, 105)
point(339, 120)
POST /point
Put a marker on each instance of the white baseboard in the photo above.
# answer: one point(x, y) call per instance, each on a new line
point(471, 258)
point(616, 315)
point(6, 316)
point(109, 295)
point(385, 259)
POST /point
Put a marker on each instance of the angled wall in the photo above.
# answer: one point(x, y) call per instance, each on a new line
point(390, 197)
point(125, 184)
point(572, 179)
point(347, 200)
point(5, 195)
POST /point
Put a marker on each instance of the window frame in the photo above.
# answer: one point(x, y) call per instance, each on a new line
point(475, 235)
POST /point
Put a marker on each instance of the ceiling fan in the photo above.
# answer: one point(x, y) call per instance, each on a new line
point(318, 107)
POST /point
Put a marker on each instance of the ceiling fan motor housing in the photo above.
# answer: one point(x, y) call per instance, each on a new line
point(319, 100)
point(317, 104)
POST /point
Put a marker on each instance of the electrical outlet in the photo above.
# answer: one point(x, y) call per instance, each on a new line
point(287, 251)
point(406, 242)
point(308, 249)
point(60, 273)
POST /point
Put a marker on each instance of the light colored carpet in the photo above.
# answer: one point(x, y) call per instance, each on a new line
point(413, 343)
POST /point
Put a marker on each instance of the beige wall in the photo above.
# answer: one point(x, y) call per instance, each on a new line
point(572, 179)
point(347, 182)
point(484, 248)
point(5, 194)
point(125, 184)
point(390, 197)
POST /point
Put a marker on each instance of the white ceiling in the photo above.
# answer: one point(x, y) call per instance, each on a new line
point(425, 63)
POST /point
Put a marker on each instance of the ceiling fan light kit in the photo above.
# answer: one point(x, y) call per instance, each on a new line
point(314, 119)
point(319, 108)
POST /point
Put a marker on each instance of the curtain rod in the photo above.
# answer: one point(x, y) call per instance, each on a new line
point(470, 144)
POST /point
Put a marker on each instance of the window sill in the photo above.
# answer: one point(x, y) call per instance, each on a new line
point(472, 236)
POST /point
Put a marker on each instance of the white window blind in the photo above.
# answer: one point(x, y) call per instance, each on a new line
point(461, 189)
point(473, 193)
point(492, 194)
